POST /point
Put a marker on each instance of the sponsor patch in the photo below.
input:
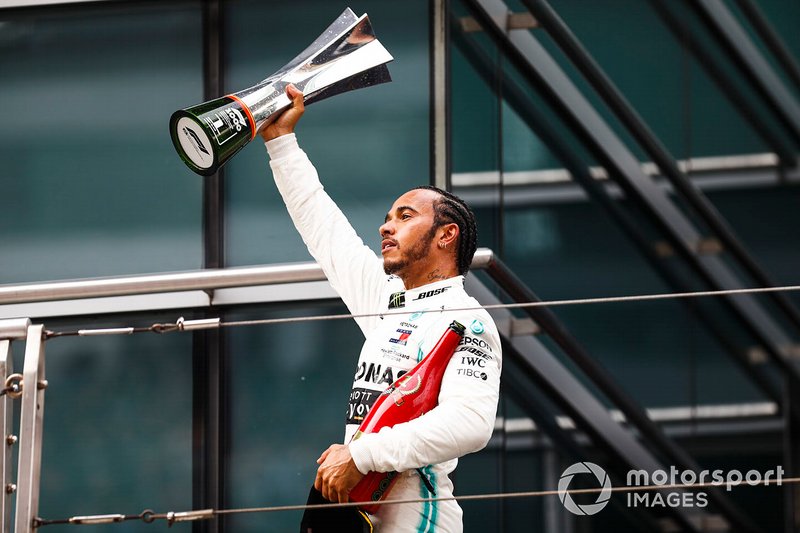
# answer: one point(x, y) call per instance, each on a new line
point(394, 355)
point(472, 350)
point(397, 300)
point(402, 338)
point(360, 403)
point(377, 373)
point(477, 327)
point(428, 294)
point(471, 360)
point(477, 374)
point(416, 315)
point(473, 341)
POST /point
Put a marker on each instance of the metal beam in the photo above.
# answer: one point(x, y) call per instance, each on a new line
point(634, 413)
point(542, 71)
point(640, 131)
point(440, 89)
point(190, 280)
point(209, 387)
point(214, 185)
point(30, 431)
point(529, 397)
point(8, 438)
point(13, 4)
point(521, 102)
point(537, 363)
point(748, 59)
point(727, 86)
point(210, 425)
point(771, 39)
point(791, 454)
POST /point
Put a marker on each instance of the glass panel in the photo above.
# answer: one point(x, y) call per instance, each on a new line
point(369, 146)
point(91, 183)
point(118, 421)
point(782, 17)
point(474, 106)
point(660, 78)
point(289, 390)
point(564, 247)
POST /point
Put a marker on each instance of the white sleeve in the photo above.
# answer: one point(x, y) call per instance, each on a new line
point(462, 423)
point(352, 268)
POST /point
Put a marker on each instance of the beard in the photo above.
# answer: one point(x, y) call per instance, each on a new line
point(418, 250)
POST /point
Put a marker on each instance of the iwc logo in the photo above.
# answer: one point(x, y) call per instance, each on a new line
point(586, 509)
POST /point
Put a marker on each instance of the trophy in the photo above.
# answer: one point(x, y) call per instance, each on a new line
point(345, 57)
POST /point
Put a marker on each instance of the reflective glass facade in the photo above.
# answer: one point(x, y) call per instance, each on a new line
point(92, 187)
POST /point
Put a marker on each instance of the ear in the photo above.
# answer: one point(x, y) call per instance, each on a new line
point(448, 235)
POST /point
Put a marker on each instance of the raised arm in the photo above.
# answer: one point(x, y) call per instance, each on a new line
point(352, 268)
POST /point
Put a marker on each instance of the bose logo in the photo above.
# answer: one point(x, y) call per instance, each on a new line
point(428, 294)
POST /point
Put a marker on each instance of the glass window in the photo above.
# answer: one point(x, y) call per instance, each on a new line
point(91, 182)
point(118, 421)
point(661, 79)
point(289, 391)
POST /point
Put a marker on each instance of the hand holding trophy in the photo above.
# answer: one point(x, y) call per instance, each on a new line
point(345, 57)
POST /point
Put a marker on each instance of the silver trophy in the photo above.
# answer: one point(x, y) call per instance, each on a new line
point(345, 57)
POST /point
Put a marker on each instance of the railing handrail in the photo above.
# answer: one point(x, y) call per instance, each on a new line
point(202, 280)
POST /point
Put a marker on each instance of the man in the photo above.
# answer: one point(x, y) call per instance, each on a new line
point(428, 240)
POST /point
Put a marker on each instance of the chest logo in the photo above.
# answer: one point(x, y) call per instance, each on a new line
point(477, 327)
point(428, 294)
point(397, 300)
point(402, 338)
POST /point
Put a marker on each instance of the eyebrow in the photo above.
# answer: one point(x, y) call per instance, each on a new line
point(399, 209)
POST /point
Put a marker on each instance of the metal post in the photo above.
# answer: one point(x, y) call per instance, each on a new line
point(208, 413)
point(10, 330)
point(440, 89)
point(791, 454)
point(6, 420)
point(31, 419)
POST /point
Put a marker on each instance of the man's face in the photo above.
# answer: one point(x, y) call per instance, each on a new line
point(408, 231)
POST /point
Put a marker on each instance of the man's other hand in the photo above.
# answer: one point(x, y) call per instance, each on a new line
point(287, 120)
point(337, 473)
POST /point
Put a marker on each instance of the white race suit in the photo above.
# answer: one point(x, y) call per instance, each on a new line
point(463, 420)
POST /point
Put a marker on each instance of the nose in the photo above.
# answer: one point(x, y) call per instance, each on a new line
point(387, 228)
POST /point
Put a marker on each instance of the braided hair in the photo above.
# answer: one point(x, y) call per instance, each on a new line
point(450, 209)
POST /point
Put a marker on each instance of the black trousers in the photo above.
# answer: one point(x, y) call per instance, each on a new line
point(333, 520)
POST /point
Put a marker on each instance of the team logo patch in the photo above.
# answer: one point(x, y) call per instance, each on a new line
point(477, 327)
point(402, 339)
point(397, 300)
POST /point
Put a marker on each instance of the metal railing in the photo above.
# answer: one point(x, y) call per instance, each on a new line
point(204, 280)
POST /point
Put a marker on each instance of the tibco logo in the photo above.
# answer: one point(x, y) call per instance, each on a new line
point(586, 509)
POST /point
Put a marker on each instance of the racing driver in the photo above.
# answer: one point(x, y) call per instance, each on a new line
point(428, 241)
